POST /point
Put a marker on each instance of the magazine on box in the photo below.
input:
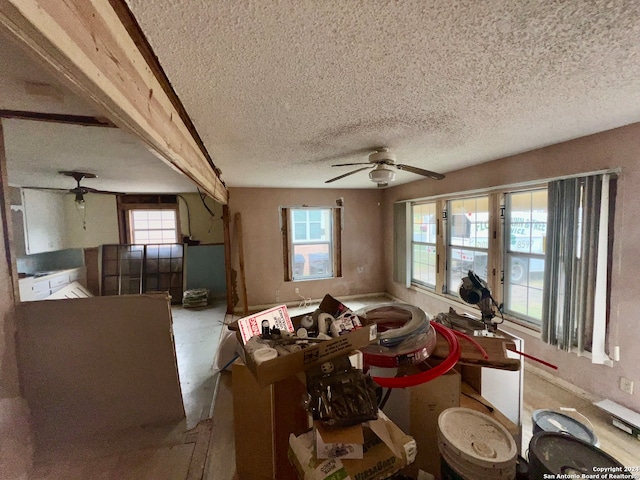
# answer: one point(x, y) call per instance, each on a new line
point(276, 317)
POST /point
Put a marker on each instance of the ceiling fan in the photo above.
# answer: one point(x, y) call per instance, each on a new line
point(80, 190)
point(381, 161)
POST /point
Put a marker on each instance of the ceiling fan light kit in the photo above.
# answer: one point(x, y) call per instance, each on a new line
point(381, 161)
point(382, 174)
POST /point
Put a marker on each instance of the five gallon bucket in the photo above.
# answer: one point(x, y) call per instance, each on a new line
point(555, 454)
point(473, 446)
point(552, 421)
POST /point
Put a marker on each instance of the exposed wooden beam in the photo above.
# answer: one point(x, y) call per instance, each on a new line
point(57, 118)
point(85, 43)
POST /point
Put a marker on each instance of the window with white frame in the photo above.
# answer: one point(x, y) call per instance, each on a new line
point(153, 226)
point(525, 220)
point(424, 264)
point(311, 242)
point(547, 261)
point(467, 228)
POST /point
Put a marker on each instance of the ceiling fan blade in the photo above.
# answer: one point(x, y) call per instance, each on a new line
point(420, 171)
point(350, 173)
point(47, 188)
point(105, 192)
point(349, 164)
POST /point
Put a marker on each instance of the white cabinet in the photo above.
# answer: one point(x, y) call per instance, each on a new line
point(39, 288)
point(44, 221)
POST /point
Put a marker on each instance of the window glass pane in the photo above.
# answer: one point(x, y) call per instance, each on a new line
point(154, 226)
point(424, 264)
point(468, 239)
point(315, 232)
point(424, 233)
point(299, 231)
point(314, 215)
point(526, 230)
point(312, 261)
point(425, 223)
point(311, 248)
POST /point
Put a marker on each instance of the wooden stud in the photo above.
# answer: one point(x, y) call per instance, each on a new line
point(238, 224)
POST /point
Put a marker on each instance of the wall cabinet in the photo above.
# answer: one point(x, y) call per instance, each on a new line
point(39, 288)
point(43, 217)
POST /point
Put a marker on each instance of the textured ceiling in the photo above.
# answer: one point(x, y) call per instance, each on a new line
point(37, 151)
point(279, 91)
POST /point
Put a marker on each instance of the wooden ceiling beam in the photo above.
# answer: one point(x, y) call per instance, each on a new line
point(87, 46)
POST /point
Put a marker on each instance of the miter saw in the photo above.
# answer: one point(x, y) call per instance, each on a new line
point(475, 291)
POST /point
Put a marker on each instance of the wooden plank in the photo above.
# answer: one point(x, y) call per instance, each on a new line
point(227, 257)
point(238, 223)
point(470, 355)
point(85, 45)
point(199, 457)
point(5, 218)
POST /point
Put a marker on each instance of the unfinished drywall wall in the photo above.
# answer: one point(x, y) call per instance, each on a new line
point(16, 445)
point(98, 364)
point(262, 242)
point(612, 149)
point(196, 221)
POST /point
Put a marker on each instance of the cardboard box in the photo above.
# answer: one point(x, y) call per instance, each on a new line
point(416, 410)
point(263, 420)
point(387, 450)
point(282, 367)
point(338, 442)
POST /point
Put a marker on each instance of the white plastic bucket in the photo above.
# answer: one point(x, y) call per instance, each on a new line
point(475, 447)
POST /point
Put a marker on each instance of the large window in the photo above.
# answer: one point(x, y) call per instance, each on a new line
point(424, 263)
point(544, 250)
point(467, 239)
point(311, 242)
point(525, 243)
point(153, 226)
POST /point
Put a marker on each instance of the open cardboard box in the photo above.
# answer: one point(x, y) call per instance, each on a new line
point(387, 450)
point(282, 367)
point(345, 442)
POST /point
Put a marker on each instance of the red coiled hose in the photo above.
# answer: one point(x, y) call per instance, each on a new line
point(423, 377)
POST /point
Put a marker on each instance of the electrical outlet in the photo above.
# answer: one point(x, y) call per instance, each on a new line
point(297, 290)
point(277, 295)
point(626, 385)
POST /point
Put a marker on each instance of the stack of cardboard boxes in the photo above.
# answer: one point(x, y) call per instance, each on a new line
point(277, 439)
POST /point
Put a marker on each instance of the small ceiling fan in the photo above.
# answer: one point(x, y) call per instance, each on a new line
point(79, 190)
point(381, 161)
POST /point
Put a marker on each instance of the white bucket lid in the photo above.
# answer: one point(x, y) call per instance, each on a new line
point(475, 438)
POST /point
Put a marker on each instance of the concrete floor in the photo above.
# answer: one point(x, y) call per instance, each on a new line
point(202, 445)
point(197, 334)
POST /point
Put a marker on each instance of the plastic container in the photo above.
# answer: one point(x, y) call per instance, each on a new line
point(473, 446)
point(554, 454)
point(552, 421)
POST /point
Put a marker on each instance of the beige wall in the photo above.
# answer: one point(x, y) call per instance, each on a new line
point(100, 216)
point(262, 243)
point(616, 148)
point(202, 227)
